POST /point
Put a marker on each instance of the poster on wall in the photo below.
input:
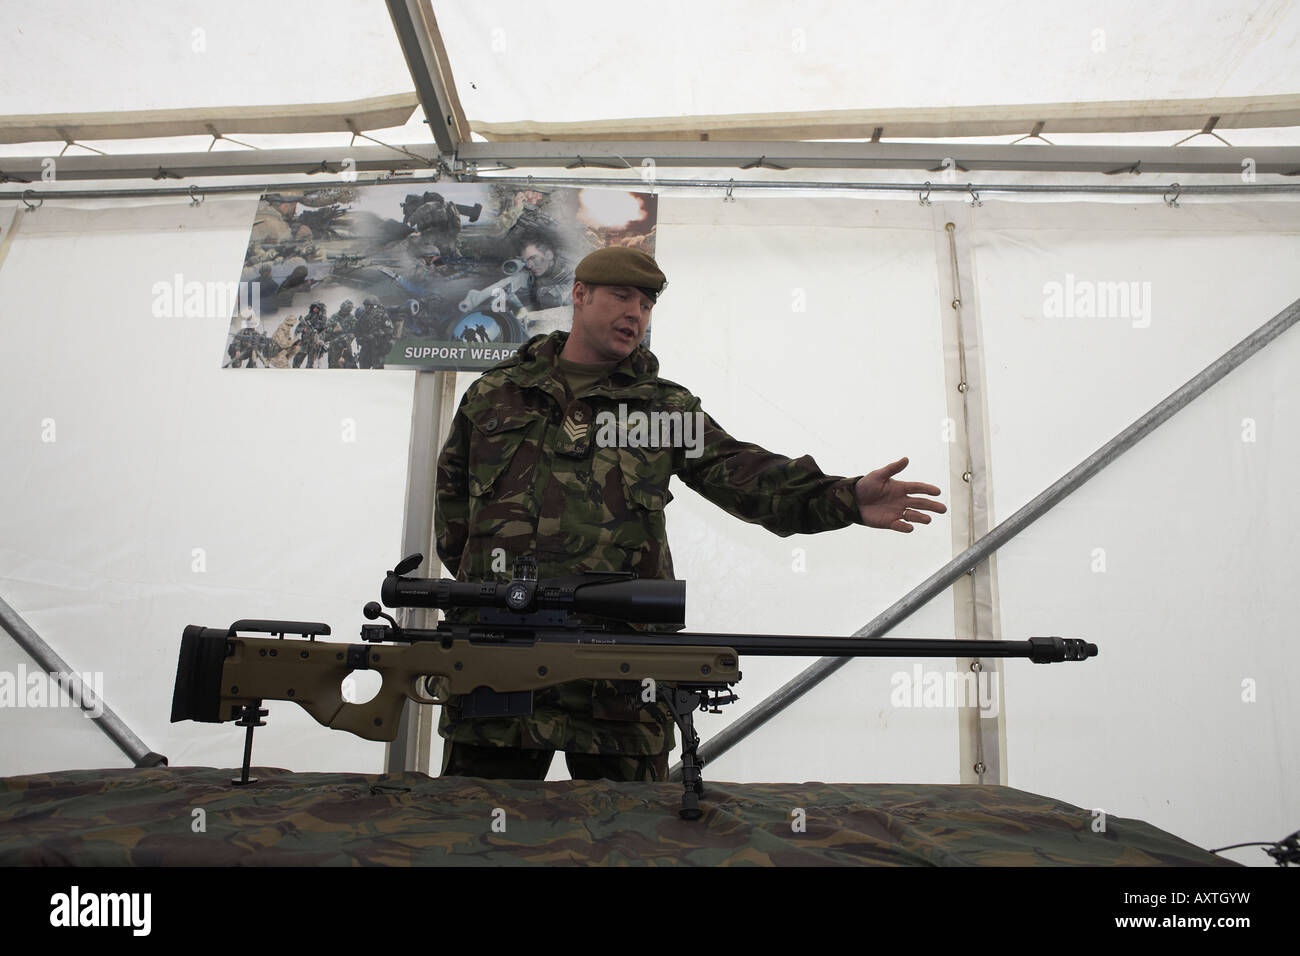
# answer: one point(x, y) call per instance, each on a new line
point(438, 276)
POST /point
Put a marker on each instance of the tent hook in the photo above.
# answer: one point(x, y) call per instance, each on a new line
point(196, 197)
point(30, 207)
point(925, 196)
point(730, 185)
point(1172, 201)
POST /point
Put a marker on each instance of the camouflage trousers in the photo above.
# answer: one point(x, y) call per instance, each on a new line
point(372, 355)
point(514, 763)
point(340, 354)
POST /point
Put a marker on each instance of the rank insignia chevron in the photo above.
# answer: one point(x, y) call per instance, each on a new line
point(573, 430)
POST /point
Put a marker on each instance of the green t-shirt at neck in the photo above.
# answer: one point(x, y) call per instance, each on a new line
point(579, 377)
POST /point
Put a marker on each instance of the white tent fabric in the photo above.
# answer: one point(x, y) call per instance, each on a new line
point(515, 61)
point(775, 57)
point(184, 54)
point(147, 489)
point(1177, 557)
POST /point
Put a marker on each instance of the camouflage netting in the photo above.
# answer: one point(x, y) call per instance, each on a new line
point(146, 818)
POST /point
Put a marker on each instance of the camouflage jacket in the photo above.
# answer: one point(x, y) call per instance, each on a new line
point(341, 325)
point(528, 469)
point(374, 327)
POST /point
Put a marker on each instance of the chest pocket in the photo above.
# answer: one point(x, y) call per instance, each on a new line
point(494, 448)
point(646, 473)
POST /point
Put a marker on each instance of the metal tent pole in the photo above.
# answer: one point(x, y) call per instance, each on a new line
point(426, 58)
point(432, 408)
point(923, 157)
point(34, 197)
point(51, 662)
point(968, 559)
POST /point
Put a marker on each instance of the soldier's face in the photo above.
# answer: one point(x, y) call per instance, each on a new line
point(538, 260)
point(610, 319)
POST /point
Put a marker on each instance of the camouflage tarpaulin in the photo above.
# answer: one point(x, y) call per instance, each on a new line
point(149, 818)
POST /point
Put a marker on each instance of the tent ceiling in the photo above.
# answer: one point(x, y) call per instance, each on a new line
point(83, 56)
point(385, 112)
point(379, 112)
point(517, 62)
point(1242, 112)
point(169, 76)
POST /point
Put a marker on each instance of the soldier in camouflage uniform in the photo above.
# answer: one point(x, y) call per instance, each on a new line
point(338, 335)
point(311, 336)
point(249, 345)
point(525, 473)
point(374, 333)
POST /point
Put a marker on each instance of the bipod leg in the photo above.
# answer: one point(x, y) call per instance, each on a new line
point(251, 717)
point(683, 704)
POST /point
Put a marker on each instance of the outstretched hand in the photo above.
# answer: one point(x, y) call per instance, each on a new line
point(885, 502)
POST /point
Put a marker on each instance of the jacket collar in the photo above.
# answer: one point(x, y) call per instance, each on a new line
point(535, 362)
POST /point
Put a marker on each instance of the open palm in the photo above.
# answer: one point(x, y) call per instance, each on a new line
point(885, 502)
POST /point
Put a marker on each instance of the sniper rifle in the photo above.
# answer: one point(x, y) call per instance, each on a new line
point(529, 635)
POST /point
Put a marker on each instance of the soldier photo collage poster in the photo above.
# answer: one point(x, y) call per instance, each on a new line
point(455, 276)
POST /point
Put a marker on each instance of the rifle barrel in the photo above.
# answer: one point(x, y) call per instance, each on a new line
point(1037, 649)
point(785, 645)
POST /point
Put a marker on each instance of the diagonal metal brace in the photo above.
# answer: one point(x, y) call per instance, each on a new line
point(107, 721)
point(938, 582)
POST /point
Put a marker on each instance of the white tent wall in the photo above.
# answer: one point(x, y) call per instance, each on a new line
point(159, 452)
point(1177, 559)
point(146, 488)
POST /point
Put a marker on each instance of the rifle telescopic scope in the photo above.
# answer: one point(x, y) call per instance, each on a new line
point(644, 602)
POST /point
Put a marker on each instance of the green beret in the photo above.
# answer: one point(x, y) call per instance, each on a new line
point(619, 265)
